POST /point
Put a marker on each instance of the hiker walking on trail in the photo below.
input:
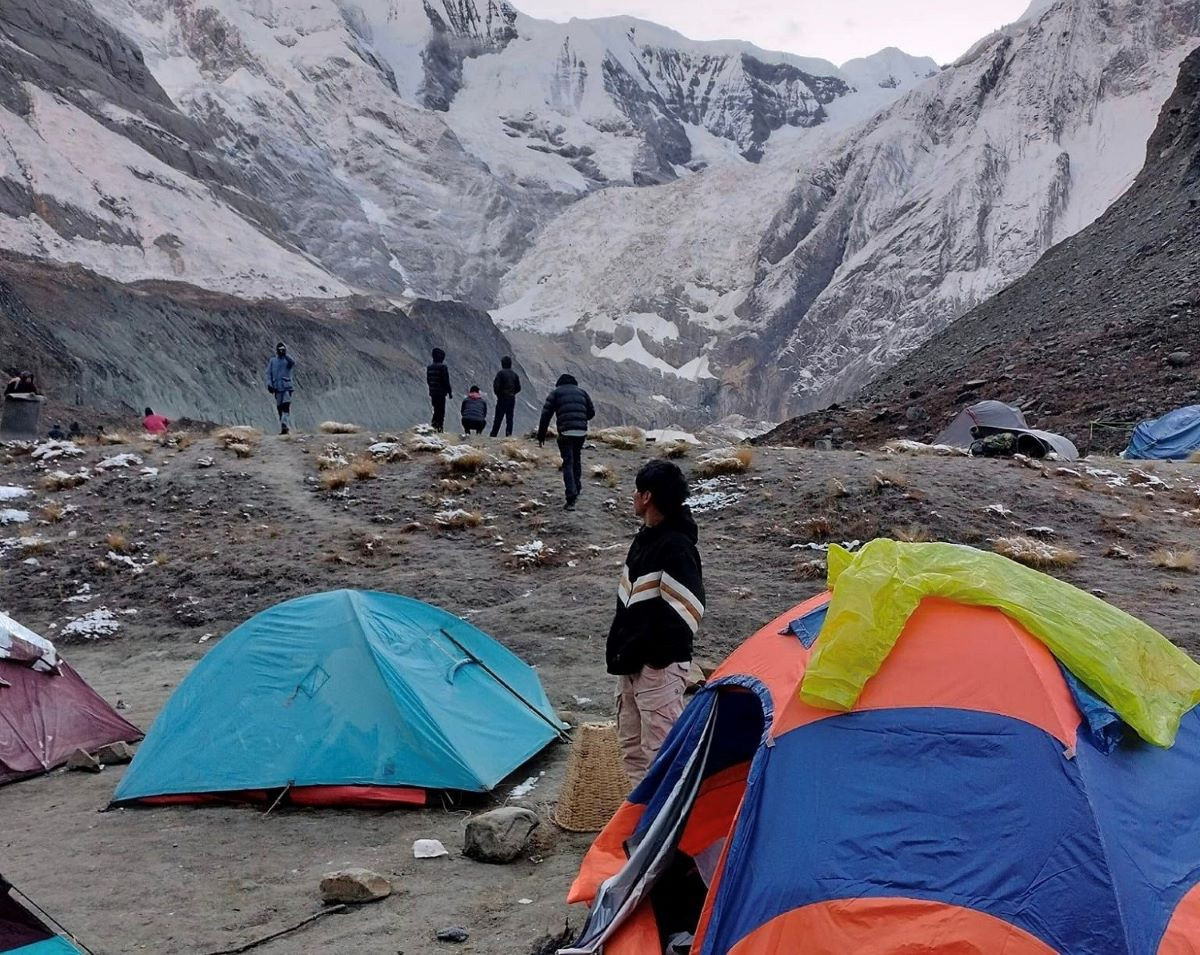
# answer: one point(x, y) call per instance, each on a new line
point(506, 386)
point(660, 602)
point(281, 384)
point(437, 375)
point(572, 409)
point(474, 411)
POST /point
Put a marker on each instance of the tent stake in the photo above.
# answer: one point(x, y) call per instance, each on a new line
point(558, 730)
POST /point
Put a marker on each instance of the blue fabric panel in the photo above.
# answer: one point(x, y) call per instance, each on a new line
point(808, 627)
point(1174, 436)
point(1147, 803)
point(50, 946)
point(972, 809)
point(345, 688)
point(668, 766)
point(1107, 729)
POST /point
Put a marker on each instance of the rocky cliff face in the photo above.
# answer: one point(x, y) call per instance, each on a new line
point(1105, 328)
point(831, 260)
point(189, 352)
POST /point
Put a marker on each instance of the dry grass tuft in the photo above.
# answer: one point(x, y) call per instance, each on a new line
point(1035, 553)
point(36, 547)
point(184, 440)
point(507, 479)
point(882, 480)
point(62, 481)
point(624, 438)
point(338, 427)
point(605, 475)
point(453, 488)
point(818, 528)
point(810, 569)
point(1194, 457)
point(239, 434)
point(161, 560)
point(117, 543)
point(52, 513)
point(458, 519)
point(1182, 561)
point(336, 480)
point(514, 451)
point(464, 459)
point(114, 438)
point(675, 450)
point(240, 449)
point(913, 534)
point(835, 489)
point(725, 461)
point(363, 468)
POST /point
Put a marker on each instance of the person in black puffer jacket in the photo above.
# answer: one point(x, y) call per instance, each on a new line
point(437, 375)
point(660, 603)
point(506, 386)
point(572, 409)
point(474, 411)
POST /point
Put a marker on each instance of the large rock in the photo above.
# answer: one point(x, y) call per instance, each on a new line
point(354, 886)
point(114, 754)
point(500, 835)
point(83, 761)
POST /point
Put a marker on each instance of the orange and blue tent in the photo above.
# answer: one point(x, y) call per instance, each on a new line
point(909, 765)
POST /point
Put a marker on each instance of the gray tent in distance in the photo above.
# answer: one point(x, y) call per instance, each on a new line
point(994, 417)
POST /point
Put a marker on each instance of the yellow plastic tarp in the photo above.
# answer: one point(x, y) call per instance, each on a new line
point(1145, 678)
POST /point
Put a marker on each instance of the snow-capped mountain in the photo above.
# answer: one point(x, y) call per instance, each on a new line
point(708, 225)
point(789, 285)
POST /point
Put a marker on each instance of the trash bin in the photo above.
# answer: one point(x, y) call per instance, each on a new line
point(21, 418)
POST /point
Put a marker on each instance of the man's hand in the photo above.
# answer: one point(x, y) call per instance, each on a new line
point(270, 390)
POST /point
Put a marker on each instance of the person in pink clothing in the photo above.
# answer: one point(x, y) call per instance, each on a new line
point(155, 423)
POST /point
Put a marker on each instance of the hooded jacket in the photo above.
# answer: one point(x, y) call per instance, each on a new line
point(660, 600)
point(506, 384)
point(437, 376)
point(279, 375)
point(569, 405)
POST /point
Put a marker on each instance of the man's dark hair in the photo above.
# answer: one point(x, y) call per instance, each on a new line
point(439, 355)
point(666, 483)
point(149, 412)
point(505, 362)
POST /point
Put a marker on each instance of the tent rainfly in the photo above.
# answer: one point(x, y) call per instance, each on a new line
point(993, 417)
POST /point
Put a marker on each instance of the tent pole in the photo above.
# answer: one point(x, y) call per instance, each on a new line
point(558, 730)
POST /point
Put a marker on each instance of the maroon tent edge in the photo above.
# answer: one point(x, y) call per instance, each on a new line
point(45, 717)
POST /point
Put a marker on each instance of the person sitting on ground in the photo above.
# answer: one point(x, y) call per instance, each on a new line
point(474, 411)
point(24, 384)
point(660, 603)
point(506, 386)
point(155, 423)
point(572, 409)
point(75, 432)
point(57, 433)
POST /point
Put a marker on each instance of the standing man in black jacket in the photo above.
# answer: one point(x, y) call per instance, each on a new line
point(572, 409)
point(438, 377)
point(660, 602)
point(506, 386)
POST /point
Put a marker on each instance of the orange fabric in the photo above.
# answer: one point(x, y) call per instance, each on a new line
point(1182, 936)
point(607, 855)
point(889, 927)
point(777, 661)
point(715, 810)
point(638, 935)
point(963, 657)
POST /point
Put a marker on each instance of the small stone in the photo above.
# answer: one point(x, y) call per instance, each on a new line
point(114, 754)
point(353, 886)
point(916, 414)
point(455, 935)
point(1179, 359)
point(83, 761)
point(499, 836)
point(205, 463)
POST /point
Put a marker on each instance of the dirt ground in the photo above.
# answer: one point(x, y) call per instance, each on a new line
point(215, 545)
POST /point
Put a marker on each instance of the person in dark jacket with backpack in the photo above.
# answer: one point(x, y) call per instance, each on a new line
point(437, 375)
point(474, 411)
point(506, 386)
point(660, 603)
point(572, 409)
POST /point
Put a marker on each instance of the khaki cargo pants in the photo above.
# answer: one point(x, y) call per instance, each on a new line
point(648, 704)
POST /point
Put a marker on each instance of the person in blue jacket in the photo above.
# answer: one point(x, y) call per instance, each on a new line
point(281, 383)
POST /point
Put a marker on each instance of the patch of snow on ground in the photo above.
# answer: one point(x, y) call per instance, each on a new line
point(10, 515)
point(97, 623)
point(10, 493)
point(50, 450)
point(525, 788)
point(670, 435)
point(125, 460)
point(715, 494)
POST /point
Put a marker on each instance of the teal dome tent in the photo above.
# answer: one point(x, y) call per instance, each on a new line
point(344, 698)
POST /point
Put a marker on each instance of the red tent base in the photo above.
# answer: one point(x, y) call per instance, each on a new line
point(344, 797)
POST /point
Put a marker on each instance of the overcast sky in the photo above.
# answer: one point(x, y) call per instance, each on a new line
point(836, 30)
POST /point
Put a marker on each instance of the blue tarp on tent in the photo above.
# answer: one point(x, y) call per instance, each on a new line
point(1172, 437)
point(346, 688)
